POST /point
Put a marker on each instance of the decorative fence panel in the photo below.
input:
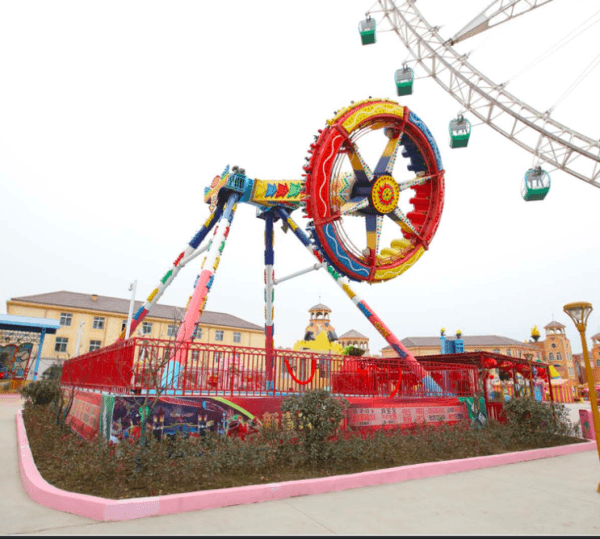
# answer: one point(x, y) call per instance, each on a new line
point(139, 365)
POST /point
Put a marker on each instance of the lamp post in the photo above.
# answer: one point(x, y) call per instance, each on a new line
point(579, 313)
point(78, 342)
point(132, 288)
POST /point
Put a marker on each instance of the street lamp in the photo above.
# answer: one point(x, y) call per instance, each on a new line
point(131, 288)
point(579, 312)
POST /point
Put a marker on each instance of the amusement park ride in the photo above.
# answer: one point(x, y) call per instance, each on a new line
point(337, 185)
point(366, 223)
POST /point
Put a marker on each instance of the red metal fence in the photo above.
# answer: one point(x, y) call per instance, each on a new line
point(138, 365)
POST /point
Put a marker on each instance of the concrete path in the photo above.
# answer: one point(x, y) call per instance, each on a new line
point(554, 496)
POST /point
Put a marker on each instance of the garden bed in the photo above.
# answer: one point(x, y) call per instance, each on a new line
point(280, 452)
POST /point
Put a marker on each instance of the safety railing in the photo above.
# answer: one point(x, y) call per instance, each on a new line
point(141, 365)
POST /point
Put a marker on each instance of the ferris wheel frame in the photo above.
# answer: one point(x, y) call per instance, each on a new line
point(536, 132)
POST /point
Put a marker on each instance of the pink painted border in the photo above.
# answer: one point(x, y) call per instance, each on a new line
point(104, 509)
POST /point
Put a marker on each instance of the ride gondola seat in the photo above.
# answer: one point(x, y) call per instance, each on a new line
point(536, 184)
point(367, 31)
point(404, 80)
point(460, 131)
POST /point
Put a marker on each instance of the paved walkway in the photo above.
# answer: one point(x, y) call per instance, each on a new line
point(554, 496)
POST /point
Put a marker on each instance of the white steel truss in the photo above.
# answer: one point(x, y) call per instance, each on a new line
point(549, 140)
point(496, 13)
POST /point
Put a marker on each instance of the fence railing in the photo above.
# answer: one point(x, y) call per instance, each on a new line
point(138, 365)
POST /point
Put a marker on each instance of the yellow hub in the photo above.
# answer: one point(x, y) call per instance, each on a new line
point(385, 194)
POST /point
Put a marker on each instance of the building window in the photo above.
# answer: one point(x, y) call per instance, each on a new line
point(558, 356)
point(146, 328)
point(508, 352)
point(195, 355)
point(553, 345)
point(496, 350)
point(237, 337)
point(61, 344)
point(598, 363)
point(171, 330)
point(66, 319)
point(571, 373)
point(98, 322)
point(197, 333)
point(217, 357)
point(218, 335)
point(123, 325)
point(551, 356)
point(94, 345)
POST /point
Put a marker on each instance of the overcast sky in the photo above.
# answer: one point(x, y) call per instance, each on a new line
point(114, 117)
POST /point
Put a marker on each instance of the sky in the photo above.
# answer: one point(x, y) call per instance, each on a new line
point(114, 117)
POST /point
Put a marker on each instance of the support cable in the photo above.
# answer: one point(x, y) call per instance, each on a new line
point(557, 46)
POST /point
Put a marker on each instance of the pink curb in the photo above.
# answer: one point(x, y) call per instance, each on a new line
point(104, 509)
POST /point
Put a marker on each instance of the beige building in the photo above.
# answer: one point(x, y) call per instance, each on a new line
point(428, 346)
point(319, 321)
point(557, 351)
point(102, 318)
point(356, 339)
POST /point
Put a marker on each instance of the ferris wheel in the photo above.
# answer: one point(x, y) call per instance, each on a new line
point(550, 142)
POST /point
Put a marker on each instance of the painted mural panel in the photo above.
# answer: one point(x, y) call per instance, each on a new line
point(403, 415)
point(133, 417)
point(84, 415)
point(14, 359)
point(476, 409)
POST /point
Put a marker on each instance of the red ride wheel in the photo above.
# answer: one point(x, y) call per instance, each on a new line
point(340, 187)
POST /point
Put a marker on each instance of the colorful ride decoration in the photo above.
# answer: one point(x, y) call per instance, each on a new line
point(340, 187)
point(14, 360)
point(339, 192)
point(536, 184)
point(460, 132)
point(367, 29)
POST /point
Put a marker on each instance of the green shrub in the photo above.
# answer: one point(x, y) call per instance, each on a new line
point(41, 392)
point(316, 418)
point(353, 351)
point(54, 372)
point(533, 421)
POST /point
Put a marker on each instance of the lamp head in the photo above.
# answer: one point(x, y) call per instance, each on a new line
point(578, 311)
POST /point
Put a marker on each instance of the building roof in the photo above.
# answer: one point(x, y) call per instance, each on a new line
point(554, 324)
point(319, 307)
point(28, 324)
point(469, 340)
point(353, 334)
point(121, 306)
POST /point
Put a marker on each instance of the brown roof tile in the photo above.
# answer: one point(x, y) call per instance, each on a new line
point(554, 324)
point(121, 306)
point(353, 334)
point(319, 307)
